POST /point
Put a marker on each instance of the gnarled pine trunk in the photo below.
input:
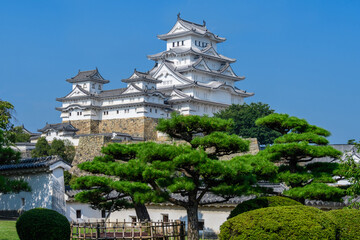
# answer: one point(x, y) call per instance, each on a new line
point(193, 222)
point(142, 212)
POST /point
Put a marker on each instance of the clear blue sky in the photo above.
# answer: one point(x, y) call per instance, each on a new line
point(300, 57)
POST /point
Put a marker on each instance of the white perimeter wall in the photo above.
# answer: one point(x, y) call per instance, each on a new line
point(47, 191)
point(213, 216)
point(40, 196)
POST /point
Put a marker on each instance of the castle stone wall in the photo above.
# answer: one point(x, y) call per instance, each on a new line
point(86, 126)
point(88, 148)
point(137, 127)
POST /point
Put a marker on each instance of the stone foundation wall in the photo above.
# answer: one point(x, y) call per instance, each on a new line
point(86, 126)
point(88, 148)
point(137, 127)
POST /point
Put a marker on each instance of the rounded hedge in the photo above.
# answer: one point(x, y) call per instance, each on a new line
point(289, 222)
point(262, 202)
point(43, 224)
point(348, 223)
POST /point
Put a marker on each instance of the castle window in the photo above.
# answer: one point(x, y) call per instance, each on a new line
point(182, 42)
point(69, 114)
point(106, 112)
point(165, 217)
point(93, 85)
point(173, 44)
point(150, 110)
point(178, 43)
point(117, 111)
point(195, 43)
point(155, 110)
point(78, 213)
point(103, 214)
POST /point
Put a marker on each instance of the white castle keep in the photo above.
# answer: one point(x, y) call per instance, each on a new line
point(190, 77)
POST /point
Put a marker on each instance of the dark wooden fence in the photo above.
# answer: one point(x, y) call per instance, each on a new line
point(173, 230)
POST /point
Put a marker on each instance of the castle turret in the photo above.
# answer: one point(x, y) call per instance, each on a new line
point(90, 81)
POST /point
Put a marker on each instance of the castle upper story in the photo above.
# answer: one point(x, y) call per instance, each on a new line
point(189, 77)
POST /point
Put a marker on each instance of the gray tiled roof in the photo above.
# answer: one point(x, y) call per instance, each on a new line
point(59, 127)
point(91, 75)
point(113, 92)
point(185, 50)
point(30, 163)
point(141, 76)
point(193, 67)
point(193, 28)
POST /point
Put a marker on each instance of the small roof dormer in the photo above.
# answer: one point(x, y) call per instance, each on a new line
point(142, 80)
point(140, 77)
point(88, 76)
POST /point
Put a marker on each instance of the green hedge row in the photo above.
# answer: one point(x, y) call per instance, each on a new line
point(289, 222)
point(293, 222)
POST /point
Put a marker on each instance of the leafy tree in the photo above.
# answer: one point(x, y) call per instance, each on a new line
point(180, 173)
point(42, 148)
point(18, 135)
point(63, 148)
point(350, 169)
point(7, 154)
point(244, 117)
point(299, 144)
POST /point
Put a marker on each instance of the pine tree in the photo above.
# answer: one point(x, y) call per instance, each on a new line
point(182, 173)
point(294, 151)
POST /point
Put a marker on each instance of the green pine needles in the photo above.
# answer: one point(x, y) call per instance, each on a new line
point(182, 173)
point(294, 151)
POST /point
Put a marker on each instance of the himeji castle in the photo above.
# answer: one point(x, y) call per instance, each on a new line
point(189, 77)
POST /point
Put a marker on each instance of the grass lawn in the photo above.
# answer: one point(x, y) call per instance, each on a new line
point(8, 230)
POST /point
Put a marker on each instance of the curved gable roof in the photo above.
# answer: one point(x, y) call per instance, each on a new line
point(91, 75)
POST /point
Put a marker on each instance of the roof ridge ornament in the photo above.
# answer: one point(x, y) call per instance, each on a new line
point(204, 23)
point(178, 16)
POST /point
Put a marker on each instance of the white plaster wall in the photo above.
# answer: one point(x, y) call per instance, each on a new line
point(74, 141)
point(40, 196)
point(186, 39)
point(213, 216)
point(58, 191)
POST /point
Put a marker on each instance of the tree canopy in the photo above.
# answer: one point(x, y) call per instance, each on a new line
point(294, 151)
point(62, 148)
point(182, 173)
point(7, 154)
point(244, 117)
point(19, 135)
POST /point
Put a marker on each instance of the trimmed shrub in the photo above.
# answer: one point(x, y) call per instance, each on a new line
point(43, 224)
point(289, 222)
point(262, 202)
point(348, 223)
